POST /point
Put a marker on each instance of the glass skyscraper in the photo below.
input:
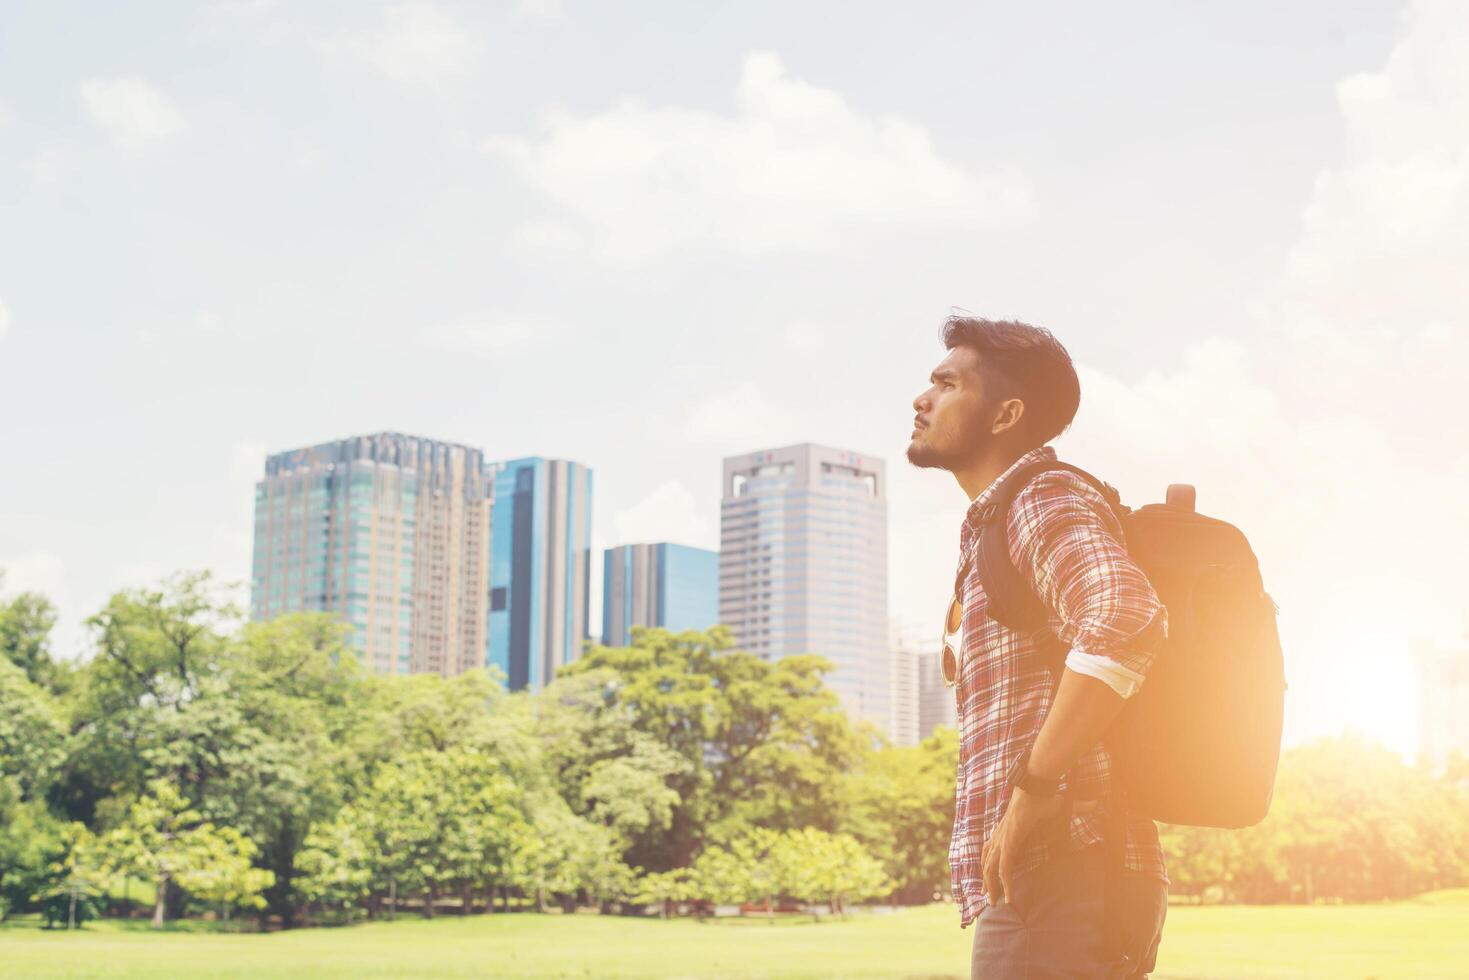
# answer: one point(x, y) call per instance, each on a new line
point(668, 585)
point(803, 565)
point(540, 568)
point(391, 533)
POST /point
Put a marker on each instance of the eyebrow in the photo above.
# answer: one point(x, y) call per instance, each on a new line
point(942, 374)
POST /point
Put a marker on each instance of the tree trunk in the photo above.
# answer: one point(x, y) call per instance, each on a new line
point(466, 898)
point(393, 899)
point(159, 901)
point(430, 895)
point(489, 900)
point(71, 910)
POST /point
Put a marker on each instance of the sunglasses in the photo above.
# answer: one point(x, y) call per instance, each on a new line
point(952, 638)
point(952, 642)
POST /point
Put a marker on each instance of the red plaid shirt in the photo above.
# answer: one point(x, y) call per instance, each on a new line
point(1067, 541)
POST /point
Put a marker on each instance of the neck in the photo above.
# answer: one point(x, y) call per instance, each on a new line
point(985, 469)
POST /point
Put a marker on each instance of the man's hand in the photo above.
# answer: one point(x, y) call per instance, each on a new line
point(1003, 848)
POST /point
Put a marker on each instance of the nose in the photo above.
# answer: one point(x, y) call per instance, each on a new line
point(920, 404)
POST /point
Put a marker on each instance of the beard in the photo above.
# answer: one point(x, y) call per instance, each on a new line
point(925, 455)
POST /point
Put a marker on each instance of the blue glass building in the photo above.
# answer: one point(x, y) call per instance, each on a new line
point(668, 585)
point(540, 568)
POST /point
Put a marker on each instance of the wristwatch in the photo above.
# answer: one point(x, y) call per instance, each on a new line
point(1021, 776)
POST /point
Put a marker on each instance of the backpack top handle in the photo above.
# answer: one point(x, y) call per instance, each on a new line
point(1181, 495)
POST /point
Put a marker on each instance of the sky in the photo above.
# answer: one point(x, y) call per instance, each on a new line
point(645, 236)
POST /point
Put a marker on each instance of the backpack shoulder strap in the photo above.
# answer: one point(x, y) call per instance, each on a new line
point(1011, 599)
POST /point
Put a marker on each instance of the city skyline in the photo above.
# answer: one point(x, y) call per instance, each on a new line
point(442, 561)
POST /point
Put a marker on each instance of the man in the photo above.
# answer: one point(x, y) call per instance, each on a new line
point(1063, 880)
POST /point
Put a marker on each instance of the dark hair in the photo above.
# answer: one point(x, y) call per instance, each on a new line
point(1025, 362)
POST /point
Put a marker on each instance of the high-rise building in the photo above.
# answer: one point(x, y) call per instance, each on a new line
point(936, 704)
point(803, 565)
point(540, 568)
point(390, 532)
point(668, 585)
point(903, 700)
point(1443, 705)
point(904, 686)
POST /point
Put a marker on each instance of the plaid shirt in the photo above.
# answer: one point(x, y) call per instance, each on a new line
point(1067, 541)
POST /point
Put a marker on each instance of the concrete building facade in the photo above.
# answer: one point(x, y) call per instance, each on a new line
point(936, 704)
point(803, 565)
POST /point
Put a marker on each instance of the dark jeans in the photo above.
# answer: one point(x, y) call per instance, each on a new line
point(1052, 928)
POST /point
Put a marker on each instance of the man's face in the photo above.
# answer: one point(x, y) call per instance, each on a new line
point(949, 426)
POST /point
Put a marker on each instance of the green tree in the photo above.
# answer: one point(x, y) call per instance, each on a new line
point(835, 867)
point(30, 843)
point(26, 621)
point(900, 806)
point(32, 732)
point(606, 769)
point(762, 744)
point(253, 725)
point(335, 867)
point(152, 703)
point(74, 879)
point(165, 839)
point(666, 889)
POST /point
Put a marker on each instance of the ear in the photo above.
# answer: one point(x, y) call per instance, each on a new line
point(1007, 415)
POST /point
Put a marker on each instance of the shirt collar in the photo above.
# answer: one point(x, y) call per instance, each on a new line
point(974, 517)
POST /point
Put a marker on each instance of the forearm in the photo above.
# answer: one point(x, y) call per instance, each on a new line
point(1083, 710)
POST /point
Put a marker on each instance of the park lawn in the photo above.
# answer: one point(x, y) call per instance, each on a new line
point(1408, 939)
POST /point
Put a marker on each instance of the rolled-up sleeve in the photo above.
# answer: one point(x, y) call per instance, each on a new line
point(1065, 539)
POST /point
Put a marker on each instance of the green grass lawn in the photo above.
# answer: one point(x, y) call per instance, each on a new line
point(1427, 938)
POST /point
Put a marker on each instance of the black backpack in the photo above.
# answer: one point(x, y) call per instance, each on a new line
point(1199, 742)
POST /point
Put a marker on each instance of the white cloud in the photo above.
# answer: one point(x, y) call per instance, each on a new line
point(1339, 426)
point(418, 44)
point(134, 113)
point(546, 11)
point(805, 337)
point(247, 461)
point(794, 168)
point(1387, 233)
point(34, 571)
point(669, 513)
point(4, 320)
point(732, 419)
point(490, 338)
point(307, 158)
point(47, 165)
point(209, 323)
